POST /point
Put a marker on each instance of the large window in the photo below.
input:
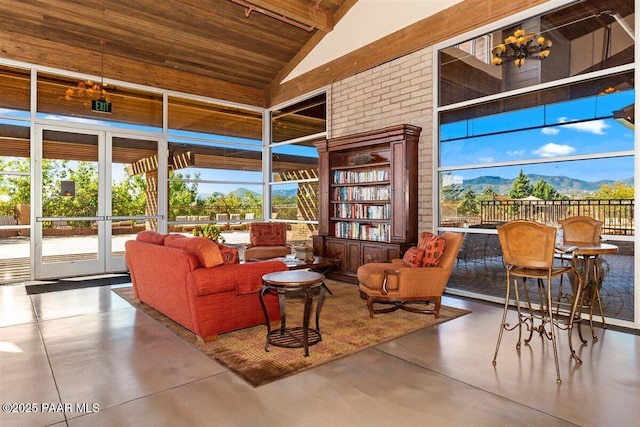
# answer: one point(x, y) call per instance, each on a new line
point(215, 168)
point(15, 172)
point(294, 164)
point(541, 140)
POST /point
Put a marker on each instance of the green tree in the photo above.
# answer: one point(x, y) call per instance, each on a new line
point(14, 189)
point(469, 204)
point(521, 187)
point(251, 203)
point(182, 195)
point(619, 190)
point(129, 196)
point(488, 193)
point(545, 191)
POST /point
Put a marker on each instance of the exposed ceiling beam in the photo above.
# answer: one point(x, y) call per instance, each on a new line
point(293, 12)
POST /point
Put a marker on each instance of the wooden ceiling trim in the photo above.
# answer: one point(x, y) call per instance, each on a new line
point(55, 55)
point(455, 20)
point(14, 147)
point(157, 35)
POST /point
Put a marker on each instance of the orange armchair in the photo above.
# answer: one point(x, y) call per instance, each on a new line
point(402, 286)
point(267, 240)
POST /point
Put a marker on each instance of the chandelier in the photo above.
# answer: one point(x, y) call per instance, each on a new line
point(89, 88)
point(519, 47)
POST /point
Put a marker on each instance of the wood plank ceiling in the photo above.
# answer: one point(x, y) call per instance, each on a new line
point(232, 50)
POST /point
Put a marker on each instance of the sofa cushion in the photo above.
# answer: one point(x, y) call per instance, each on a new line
point(433, 248)
point(268, 234)
point(204, 249)
point(413, 257)
point(150, 236)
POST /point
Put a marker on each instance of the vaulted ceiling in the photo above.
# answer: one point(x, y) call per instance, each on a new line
point(227, 49)
point(234, 50)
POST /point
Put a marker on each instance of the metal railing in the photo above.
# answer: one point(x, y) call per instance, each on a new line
point(616, 214)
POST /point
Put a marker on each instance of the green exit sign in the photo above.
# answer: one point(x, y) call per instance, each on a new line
point(101, 106)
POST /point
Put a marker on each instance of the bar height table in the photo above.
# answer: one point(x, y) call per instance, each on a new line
point(589, 282)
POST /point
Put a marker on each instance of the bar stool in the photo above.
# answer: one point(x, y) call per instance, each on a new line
point(528, 251)
point(576, 230)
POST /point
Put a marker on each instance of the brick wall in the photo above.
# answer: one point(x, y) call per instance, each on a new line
point(400, 91)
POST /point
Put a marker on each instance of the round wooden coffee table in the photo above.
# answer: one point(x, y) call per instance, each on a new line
point(293, 282)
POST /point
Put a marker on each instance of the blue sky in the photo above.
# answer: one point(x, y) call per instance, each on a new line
point(565, 129)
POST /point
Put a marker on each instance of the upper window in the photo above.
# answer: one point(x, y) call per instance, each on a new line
point(585, 37)
point(66, 99)
point(497, 132)
point(15, 85)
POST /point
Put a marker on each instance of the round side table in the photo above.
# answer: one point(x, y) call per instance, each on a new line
point(290, 282)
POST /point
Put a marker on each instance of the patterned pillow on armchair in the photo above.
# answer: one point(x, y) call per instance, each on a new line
point(433, 247)
point(413, 257)
point(268, 234)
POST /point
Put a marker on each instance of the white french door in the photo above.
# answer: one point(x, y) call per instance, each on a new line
point(84, 183)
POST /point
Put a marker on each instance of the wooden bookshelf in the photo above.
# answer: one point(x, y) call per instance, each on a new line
point(368, 197)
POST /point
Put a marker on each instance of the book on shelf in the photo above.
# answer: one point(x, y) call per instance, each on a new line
point(361, 211)
point(374, 193)
point(355, 230)
point(354, 177)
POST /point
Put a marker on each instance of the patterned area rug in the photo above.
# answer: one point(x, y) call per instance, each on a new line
point(344, 323)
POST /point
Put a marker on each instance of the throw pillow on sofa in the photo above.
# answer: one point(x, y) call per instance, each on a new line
point(205, 250)
point(229, 255)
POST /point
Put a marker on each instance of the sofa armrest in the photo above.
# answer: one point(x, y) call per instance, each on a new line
point(249, 275)
point(238, 278)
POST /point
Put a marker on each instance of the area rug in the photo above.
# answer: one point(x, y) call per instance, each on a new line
point(344, 323)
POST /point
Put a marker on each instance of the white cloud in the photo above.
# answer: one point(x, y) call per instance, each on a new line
point(596, 127)
point(485, 159)
point(550, 131)
point(452, 180)
point(554, 150)
point(515, 153)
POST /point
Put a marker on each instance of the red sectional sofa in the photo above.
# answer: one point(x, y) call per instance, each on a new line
point(186, 279)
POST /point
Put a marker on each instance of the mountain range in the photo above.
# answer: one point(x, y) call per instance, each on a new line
point(563, 184)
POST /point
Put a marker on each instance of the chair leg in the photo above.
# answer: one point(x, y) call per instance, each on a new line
point(530, 316)
point(596, 275)
point(553, 331)
point(504, 325)
point(370, 305)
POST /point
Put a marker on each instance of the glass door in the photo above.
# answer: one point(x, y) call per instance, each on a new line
point(132, 193)
point(91, 195)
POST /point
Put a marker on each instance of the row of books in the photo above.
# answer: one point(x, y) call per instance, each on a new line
point(362, 193)
point(355, 230)
point(351, 177)
point(360, 211)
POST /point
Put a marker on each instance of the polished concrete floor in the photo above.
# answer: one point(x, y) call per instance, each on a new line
point(111, 365)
